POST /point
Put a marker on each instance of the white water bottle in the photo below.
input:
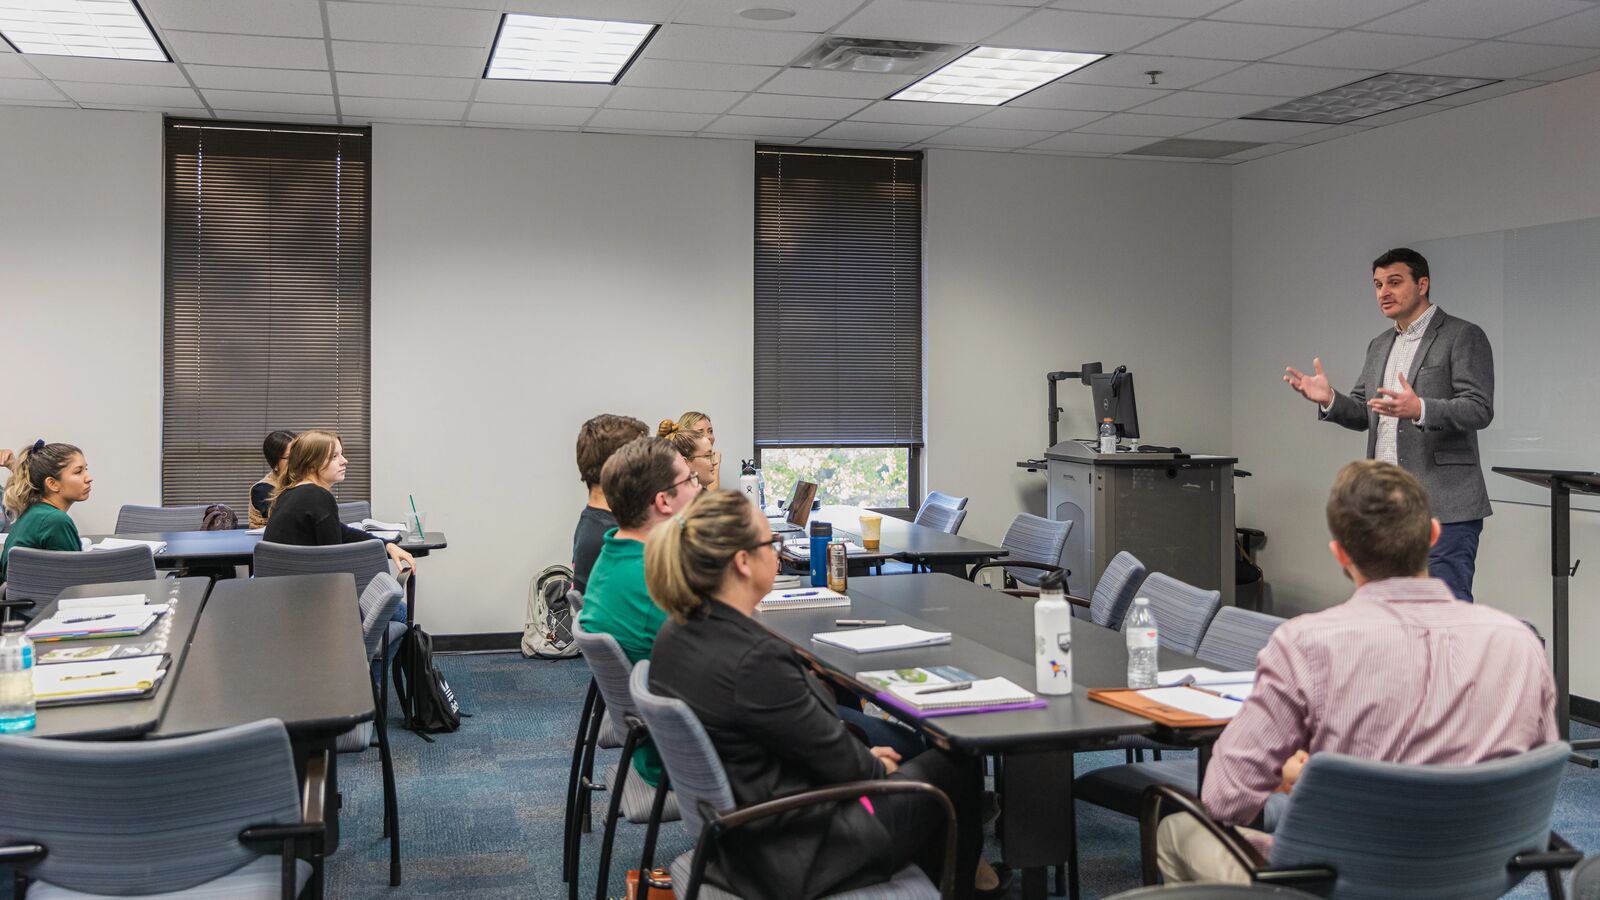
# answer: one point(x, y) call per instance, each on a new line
point(750, 482)
point(1108, 436)
point(1052, 638)
point(1143, 640)
point(16, 679)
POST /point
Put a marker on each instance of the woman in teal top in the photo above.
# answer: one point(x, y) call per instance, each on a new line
point(46, 479)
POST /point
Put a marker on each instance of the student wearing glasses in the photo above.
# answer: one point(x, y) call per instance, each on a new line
point(276, 449)
point(695, 447)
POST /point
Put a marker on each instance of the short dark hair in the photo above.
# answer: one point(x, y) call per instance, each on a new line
point(275, 445)
point(599, 438)
point(635, 474)
point(1378, 512)
point(1413, 260)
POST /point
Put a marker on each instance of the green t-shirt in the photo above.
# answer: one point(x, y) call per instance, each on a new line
point(42, 527)
point(617, 603)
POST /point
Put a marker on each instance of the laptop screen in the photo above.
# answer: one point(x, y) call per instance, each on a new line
point(800, 503)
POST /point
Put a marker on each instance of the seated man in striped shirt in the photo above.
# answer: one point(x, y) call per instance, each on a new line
point(1401, 672)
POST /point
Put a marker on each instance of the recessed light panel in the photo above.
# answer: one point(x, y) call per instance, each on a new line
point(1378, 94)
point(109, 29)
point(548, 48)
point(990, 76)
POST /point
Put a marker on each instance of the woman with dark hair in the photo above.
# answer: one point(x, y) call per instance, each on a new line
point(46, 480)
point(276, 449)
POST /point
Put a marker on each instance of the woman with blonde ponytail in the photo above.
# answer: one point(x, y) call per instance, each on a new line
point(46, 479)
point(777, 728)
point(696, 450)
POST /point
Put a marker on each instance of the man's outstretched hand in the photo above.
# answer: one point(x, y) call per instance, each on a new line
point(1312, 387)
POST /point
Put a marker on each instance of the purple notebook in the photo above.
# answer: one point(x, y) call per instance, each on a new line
point(889, 700)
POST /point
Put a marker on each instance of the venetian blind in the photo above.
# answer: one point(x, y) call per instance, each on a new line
point(266, 320)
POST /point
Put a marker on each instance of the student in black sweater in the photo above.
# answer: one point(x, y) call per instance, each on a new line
point(599, 437)
point(276, 449)
point(304, 512)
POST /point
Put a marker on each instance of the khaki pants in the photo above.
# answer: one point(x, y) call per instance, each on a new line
point(1186, 851)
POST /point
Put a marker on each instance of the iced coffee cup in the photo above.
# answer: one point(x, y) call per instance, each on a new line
point(871, 530)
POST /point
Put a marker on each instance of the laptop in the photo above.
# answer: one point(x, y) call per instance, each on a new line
point(798, 510)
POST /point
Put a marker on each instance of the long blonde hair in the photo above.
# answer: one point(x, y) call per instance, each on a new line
point(686, 557)
point(33, 465)
point(310, 451)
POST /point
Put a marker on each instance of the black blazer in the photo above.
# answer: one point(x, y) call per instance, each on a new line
point(777, 730)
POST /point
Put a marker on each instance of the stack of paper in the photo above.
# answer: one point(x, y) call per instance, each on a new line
point(1191, 700)
point(1233, 685)
point(801, 547)
point(375, 525)
point(887, 637)
point(112, 543)
point(96, 680)
point(68, 625)
point(802, 598)
point(986, 692)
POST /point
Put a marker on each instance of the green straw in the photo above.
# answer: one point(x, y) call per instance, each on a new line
point(415, 520)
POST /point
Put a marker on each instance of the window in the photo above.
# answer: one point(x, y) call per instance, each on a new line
point(838, 323)
point(265, 311)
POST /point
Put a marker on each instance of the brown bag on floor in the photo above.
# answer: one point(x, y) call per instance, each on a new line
point(659, 884)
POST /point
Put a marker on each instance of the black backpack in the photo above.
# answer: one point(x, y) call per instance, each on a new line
point(436, 707)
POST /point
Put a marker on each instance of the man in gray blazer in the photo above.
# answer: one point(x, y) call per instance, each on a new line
point(1432, 375)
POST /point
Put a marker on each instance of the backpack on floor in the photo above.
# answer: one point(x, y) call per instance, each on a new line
point(548, 632)
point(437, 709)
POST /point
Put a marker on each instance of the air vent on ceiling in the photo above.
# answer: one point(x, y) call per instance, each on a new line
point(1194, 148)
point(1368, 97)
point(851, 54)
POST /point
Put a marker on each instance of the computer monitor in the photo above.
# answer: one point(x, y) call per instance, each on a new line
point(1113, 397)
point(799, 511)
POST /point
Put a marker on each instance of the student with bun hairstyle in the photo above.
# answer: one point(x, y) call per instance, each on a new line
point(303, 511)
point(276, 449)
point(46, 480)
point(776, 728)
point(696, 449)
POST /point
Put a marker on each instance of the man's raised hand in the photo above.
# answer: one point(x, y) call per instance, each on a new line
point(1312, 387)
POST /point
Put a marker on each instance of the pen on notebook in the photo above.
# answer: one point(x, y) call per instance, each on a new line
point(945, 688)
point(849, 622)
point(87, 619)
point(88, 675)
point(794, 594)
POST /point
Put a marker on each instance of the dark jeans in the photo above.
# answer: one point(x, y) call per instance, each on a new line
point(917, 826)
point(880, 733)
point(1454, 558)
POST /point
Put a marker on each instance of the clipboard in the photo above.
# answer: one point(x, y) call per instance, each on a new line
point(1129, 700)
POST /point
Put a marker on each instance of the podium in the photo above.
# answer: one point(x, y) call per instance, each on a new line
point(1562, 484)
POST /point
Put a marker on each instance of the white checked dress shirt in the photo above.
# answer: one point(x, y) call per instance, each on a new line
point(1401, 354)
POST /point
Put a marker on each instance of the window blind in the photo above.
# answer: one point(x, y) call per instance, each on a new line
point(838, 297)
point(265, 312)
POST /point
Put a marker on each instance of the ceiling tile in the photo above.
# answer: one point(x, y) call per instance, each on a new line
point(1287, 81)
point(512, 114)
point(822, 83)
point(1152, 126)
point(388, 108)
point(409, 59)
point(769, 126)
point(204, 48)
point(1231, 40)
point(700, 43)
point(634, 132)
point(1252, 130)
point(52, 104)
point(1402, 114)
point(1078, 142)
point(1475, 18)
point(285, 18)
point(1314, 13)
point(1023, 119)
point(1087, 32)
point(411, 24)
point(12, 65)
point(28, 89)
point(1498, 89)
point(1559, 73)
point(644, 120)
point(614, 10)
point(672, 100)
point(906, 112)
point(812, 15)
point(997, 138)
point(542, 93)
point(1500, 59)
point(1201, 103)
point(1129, 70)
point(105, 71)
point(1368, 50)
point(131, 94)
point(797, 107)
point(262, 101)
point(1325, 134)
point(878, 131)
point(1191, 9)
point(412, 87)
point(671, 73)
point(863, 145)
point(1581, 30)
point(917, 20)
point(238, 78)
point(1259, 152)
point(1062, 95)
point(246, 115)
point(455, 4)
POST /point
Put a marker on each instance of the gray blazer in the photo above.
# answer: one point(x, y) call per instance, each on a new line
point(1453, 372)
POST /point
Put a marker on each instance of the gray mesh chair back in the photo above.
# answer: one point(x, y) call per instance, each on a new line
point(1116, 589)
point(1586, 880)
point(378, 603)
point(611, 669)
point(146, 817)
point(39, 575)
point(686, 751)
point(947, 520)
point(1214, 892)
point(363, 559)
point(1034, 539)
point(354, 511)
point(1182, 611)
point(1234, 637)
point(140, 519)
point(1391, 830)
point(941, 499)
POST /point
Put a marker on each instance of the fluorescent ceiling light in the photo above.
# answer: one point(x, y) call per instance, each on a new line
point(109, 29)
point(990, 76)
point(547, 48)
point(1368, 97)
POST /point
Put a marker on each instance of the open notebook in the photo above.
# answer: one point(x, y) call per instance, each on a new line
point(887, 637)
point(802, 598)
point(80, 682)
point(985, 692)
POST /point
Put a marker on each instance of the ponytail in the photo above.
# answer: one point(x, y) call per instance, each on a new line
point(33, 465)
point(686, 557)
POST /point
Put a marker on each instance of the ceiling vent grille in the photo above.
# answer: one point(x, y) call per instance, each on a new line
point(853, 54)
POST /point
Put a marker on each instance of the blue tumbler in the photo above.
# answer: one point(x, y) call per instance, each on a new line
point(821, 534)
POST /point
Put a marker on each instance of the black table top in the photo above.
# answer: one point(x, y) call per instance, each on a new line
point(237, 545)
point(286, 648)
point(1580, 481)
point(991, 635)
point(900, 536)
point(128, 718)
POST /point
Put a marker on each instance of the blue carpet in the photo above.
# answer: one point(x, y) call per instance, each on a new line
point(481, 809)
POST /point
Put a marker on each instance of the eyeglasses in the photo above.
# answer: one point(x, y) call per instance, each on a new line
point(775, 542)
point(674, 486)
point(712, 455)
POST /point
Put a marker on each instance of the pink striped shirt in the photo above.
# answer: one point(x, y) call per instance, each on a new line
point(1401, 672)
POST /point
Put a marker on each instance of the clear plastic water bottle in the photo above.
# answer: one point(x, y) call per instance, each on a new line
point(1143, 640)
point(16, 679)
point(1108, 435)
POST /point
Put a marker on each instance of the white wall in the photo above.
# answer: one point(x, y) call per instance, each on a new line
point(1306, 225)
point(523, 282)
point(1040, 263)
point(80, 302)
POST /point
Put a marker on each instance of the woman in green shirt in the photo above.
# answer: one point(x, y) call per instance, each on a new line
point(46, 479)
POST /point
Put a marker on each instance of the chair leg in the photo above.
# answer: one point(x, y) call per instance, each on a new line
point(1155, 755)
point(586, 786)
point(572, 777)
point(614, 812)
point(647, 860)
point(391, 800)
point(1127, 756)
point(596, 719)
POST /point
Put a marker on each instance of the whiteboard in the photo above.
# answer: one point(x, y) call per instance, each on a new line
point(1536, 293)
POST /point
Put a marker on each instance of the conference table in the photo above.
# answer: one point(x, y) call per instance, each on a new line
point(902, 541)
point(237, 546)
point(992, 635)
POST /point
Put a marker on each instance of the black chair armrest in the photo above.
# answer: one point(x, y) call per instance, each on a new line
point(1079, 601)
point(12, 854)
point(1183, 801)
point(1561, 855)
point(718, 824)
point(311, 829)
